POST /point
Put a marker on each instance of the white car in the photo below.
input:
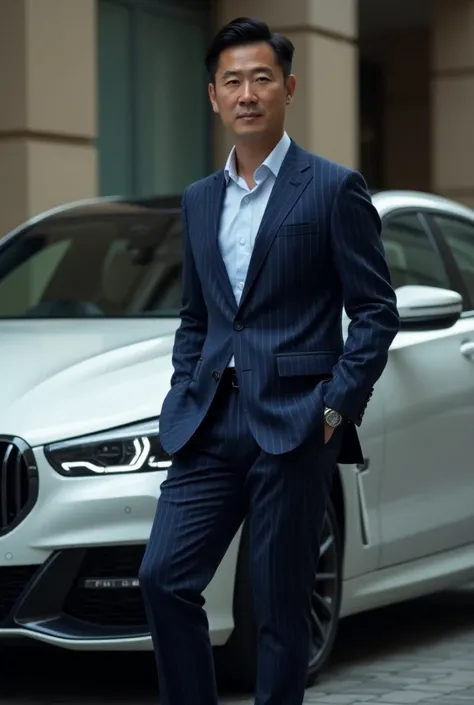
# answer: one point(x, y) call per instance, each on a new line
point(89, 302)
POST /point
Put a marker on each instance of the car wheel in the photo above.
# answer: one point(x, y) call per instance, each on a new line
point(236, 661)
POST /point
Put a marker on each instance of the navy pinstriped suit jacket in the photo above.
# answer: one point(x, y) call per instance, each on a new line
point(318, 249)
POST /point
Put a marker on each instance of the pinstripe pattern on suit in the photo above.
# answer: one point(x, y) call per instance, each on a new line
point(261, 450)
point(318, 249)
point(217, 479)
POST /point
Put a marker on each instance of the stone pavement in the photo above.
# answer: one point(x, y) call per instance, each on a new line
point(418, 652)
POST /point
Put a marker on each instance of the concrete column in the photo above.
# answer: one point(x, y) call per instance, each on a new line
point(324, 115)
point(453, 99)
point(48, 105)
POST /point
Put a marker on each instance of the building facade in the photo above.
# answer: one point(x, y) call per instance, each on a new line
point(102, 97)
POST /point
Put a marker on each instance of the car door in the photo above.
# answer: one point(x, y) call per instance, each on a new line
point(427, 489)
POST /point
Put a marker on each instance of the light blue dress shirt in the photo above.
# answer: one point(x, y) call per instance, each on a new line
point(242, 213)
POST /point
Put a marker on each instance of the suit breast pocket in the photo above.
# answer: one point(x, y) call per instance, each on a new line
point(297, 254)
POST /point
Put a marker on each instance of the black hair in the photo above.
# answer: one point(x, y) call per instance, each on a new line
point(243, 31)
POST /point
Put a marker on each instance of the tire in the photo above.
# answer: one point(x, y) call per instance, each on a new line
point(236, 660)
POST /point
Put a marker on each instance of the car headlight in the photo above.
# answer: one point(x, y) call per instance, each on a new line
point(129, 449)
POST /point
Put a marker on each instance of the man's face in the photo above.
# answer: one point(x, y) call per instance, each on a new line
point(250, 91)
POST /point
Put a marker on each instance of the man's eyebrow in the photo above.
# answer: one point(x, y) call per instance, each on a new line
point(257, 69)
point(230, 74)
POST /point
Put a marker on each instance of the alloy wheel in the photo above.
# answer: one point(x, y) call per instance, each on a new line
point(326, 595)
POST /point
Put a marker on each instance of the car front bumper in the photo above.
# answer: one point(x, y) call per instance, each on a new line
point(68, 570)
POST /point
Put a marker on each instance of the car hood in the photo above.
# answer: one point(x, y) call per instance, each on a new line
point(61, 379)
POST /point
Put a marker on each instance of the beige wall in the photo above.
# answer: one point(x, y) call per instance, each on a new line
point(48, 113)
point(324, 115)
point(452, 61)
point(48, 76)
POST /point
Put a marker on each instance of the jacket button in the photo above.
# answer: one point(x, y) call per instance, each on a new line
point(238, 325)
point(216, 375)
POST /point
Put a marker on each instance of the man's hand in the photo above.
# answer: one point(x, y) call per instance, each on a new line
point(328, 431)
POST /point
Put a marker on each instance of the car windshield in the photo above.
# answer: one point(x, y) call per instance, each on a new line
point(117, 262)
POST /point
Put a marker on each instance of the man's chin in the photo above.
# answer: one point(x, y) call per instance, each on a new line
point(249, 129)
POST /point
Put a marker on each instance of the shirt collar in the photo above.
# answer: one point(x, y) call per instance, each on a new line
point(272, 163)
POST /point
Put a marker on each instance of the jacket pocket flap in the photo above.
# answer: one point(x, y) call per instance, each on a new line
point(310, 363)
point(297, 229)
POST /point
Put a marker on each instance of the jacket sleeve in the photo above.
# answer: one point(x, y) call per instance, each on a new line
point(192, 330)
point(368, 296)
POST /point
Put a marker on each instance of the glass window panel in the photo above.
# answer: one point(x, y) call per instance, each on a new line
point(459, 235)
point(172, 105)
point(154, 114)
point(410, 255)
point(115, 100)
point(98, 262)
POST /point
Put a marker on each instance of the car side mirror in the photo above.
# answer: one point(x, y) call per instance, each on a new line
point(428, 307)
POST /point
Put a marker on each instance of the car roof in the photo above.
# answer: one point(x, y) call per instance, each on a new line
point(102, 205)
point(386, 201)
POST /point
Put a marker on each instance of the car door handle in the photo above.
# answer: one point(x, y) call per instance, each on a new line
point(467, 349)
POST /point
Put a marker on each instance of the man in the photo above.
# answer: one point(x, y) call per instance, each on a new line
point(265, 396)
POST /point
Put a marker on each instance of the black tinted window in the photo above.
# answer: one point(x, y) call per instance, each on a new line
point(460, 237)
point(411, 257)
point(94, 265)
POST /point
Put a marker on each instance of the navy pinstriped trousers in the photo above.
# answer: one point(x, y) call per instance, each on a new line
point(215, 481)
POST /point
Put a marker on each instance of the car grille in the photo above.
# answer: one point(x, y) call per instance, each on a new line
point(13, 581)
point(18, 482)
point(117, 607)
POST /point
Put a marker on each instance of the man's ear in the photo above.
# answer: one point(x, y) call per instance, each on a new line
point(211, 89)
point(290, 88)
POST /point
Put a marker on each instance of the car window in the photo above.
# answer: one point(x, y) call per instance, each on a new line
point(411, 257)
point(459, 235)
point(94, 265)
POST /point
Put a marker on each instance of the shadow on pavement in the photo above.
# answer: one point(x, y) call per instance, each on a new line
point(37, 675)
point(401, 630)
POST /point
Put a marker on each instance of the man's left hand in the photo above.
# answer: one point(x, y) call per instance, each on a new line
point(328, 431)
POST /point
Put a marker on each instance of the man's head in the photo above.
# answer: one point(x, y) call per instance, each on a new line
point(250, 79)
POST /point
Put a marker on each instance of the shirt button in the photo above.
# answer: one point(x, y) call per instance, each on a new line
point(242, 241)
point(241, 285)
point(245, 200)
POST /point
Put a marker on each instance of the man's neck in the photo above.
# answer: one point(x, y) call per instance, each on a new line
point(250, 155)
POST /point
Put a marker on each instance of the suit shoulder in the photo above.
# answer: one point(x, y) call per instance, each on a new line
point(331, 172)
point(198, 187)
point(335, 172)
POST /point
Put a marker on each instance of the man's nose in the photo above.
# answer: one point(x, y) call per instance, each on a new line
point(247, 95)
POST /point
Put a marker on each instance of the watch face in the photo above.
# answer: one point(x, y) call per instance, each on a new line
point(333, 419)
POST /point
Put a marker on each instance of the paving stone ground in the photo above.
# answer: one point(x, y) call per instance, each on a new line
point(418, 652)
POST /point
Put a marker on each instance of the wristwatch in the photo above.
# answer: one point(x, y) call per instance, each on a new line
point(332, 418)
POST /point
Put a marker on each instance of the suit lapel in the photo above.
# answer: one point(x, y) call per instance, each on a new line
point(292, 179)
point(215, 202)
